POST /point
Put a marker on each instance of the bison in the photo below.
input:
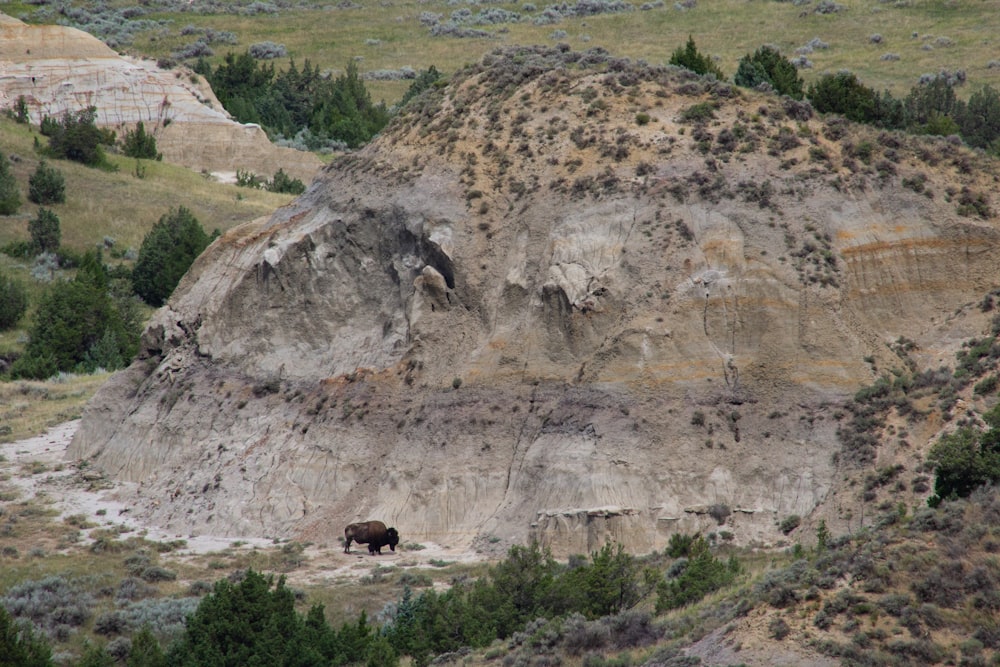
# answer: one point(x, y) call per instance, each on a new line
point(372, 533)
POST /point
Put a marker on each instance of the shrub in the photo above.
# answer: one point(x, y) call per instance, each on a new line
point(778, 628)
point(704, 573)
point(46, 185)
point(140, 145)
point(267, 51)
point(719, 512)
point(13, 302)
point(790, 523)
point(842, 93)
point(165, 255)
point(78, 327)
point(987, 385)
point(45, 233)
point(680, 545)
point(768, 66)
point(248, 179)
point(255, 622)
point(20, 111)
point(963, 461)
point(10, 194)
point(688, 57)
point(698, 113)
point(283, 183)
point(76, 137)
point(49, 603)
point(979, 119)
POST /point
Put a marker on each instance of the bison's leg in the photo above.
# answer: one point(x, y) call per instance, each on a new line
point(347, 546)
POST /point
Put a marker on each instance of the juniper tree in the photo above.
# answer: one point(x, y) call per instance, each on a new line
point(10, 195)
point(46, 185)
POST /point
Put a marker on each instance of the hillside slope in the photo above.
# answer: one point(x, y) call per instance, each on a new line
point(59, 69)
point(567, 297)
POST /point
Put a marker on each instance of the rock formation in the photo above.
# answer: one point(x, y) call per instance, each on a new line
point(59, 69)
point(568, 297)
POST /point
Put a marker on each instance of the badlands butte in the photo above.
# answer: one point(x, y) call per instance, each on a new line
point(567, 297)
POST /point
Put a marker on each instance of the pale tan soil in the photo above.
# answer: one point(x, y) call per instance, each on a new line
point(73, 490)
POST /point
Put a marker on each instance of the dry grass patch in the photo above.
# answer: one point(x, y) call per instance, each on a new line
point(948, 35)
point(29, 407)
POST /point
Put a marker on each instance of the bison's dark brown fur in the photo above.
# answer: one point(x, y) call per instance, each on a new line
point(372, 533)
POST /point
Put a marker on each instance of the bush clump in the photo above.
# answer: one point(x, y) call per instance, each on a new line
point(140, 144)
point(767, 67)
point(80, 325)
point(702, 574)
point(76, 137)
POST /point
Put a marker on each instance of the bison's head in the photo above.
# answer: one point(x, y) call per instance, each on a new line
point(393, 536)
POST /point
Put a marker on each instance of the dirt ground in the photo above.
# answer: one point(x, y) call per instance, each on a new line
point(38, 468)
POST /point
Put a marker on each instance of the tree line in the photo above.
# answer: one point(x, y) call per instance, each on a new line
point(292, 101)
point(254, 621)
point(930, 107)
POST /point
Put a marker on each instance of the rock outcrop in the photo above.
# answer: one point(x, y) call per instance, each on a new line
point(59, 69)
point(568, 297)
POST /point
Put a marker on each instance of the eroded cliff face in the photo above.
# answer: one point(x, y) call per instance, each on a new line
point(527, 312)
point(59, 69)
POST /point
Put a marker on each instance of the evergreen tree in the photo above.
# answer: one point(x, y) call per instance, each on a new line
point(979, 119)
point(424, 80)
point(768, 66)
point(13, 302)
point(284, 183)
point(146, 651)
point(702, 574)
point(138, 144)
point(46, 185)
point(45, 233)
point(21, 110)
point(77, 327)
point(249, 624)
point(844, 94)
point(76, 137)
point(688, 57)
point(10, 194)
point(929, 104)
point(95, 655)
point(166, 253)
point(20, 646)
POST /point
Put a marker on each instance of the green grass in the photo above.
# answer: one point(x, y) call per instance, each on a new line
point(103, 204)
point(728, 29)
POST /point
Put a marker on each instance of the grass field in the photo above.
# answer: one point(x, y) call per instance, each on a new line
point(926, 35)
point(101, 207)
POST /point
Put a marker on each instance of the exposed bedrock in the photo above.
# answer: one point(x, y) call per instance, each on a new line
point(465, 337)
